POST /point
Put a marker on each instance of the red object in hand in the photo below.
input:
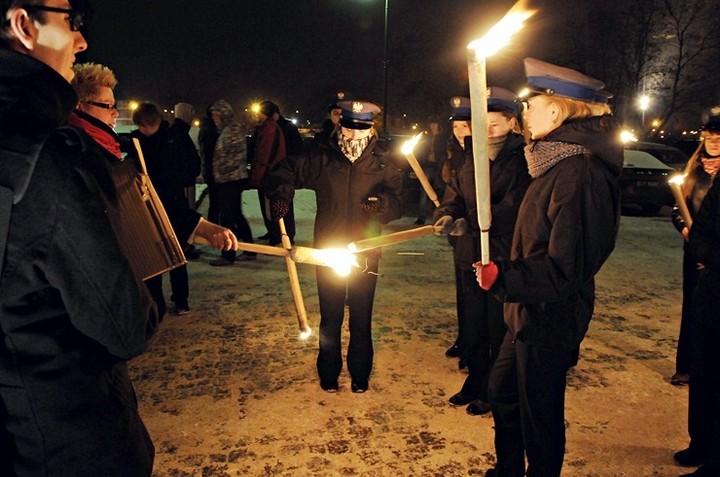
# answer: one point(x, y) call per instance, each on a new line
point(279, 208)
point(486, 274)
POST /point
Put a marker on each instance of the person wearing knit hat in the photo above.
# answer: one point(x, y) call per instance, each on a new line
point(697, 360)
point(566, 229)
point(480, 318)
point(357, 191)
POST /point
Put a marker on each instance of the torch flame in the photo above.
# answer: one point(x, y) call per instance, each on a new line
point(499, 35)
point(410, 144)
point(305, 334)
point(677, 179)
point(340, 260)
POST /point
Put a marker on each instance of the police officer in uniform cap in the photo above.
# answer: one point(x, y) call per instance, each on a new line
point(566, 229)
point(357, 190)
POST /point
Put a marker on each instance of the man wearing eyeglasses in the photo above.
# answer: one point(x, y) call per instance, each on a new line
point(71, 311)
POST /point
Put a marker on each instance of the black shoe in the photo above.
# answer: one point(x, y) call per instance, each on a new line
point(359, 386)
point(711, 469)
point(330, 385)
point(420, 222)
point(453, 351)
point(478, 407)
point(680, 379)
point(245, 256)
point(460, 399)
point(689, 458)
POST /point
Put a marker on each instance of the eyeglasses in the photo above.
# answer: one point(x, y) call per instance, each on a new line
point(102, 105)
point(77, 18)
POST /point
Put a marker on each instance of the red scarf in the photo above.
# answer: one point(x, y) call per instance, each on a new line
point(101, 133)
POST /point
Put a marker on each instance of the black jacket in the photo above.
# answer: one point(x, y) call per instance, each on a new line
point(509, 179)
point(71, 310)
point(340, 186)
point(566, 229)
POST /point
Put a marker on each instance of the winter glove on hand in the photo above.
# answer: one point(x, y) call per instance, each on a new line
point(445, 224)
point(459, 228)
point(278, 209)
point(371, 205)
point(486, 274)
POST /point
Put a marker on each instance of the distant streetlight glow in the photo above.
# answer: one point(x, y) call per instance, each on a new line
point(643, 104)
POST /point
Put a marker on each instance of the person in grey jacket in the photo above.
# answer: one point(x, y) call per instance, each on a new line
point(230, 175)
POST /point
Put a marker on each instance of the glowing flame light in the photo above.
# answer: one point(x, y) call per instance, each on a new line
point(410, 144)
point(677, 179)
point(340, 260)
point(500, 34)
point(305, 334)
point(627, 136)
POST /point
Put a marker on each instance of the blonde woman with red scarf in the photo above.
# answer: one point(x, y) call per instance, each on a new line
point(96, 113)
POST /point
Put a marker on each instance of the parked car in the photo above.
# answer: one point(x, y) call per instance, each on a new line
point(669, 155)
point(644, 182)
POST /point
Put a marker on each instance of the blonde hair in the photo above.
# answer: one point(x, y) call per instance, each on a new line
point(572, 109)
point(89, 78)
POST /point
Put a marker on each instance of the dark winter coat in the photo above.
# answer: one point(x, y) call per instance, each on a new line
point(705, 243)
point(172, 163)
point(509, 179)
point(566, 229)
point(340, 186)
point(71, 311)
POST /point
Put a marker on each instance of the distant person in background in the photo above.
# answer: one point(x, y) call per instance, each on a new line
point(230, 175)
point(268, 147)
point(455, 158)
point(430, 152)
point(207, 137)
point(483, 323)
point(357, 190)
point(172, 163)
point(331, 122)
point(566, 229)
point(704, 395)
point(700, 171)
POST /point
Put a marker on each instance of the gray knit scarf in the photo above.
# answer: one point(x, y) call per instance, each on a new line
point(542, 155)
point(352, 148)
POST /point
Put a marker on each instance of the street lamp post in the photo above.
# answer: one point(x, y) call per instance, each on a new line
point(385, 68)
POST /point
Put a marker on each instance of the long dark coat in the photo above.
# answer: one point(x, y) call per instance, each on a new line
point(71, 311)
point(566, 229)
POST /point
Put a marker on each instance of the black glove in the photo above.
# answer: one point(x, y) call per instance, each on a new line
point(278, 209)
point(371, 205)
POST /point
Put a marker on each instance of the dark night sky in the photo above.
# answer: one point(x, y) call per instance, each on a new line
point(300, 52)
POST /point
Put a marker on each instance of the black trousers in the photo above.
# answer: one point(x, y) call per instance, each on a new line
point(527, 397)
point(358, 291)
point(229, 196)
point(483, 332)
point(704, 397)
point(683, 358)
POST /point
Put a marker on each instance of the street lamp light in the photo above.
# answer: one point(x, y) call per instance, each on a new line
point(643, 103)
